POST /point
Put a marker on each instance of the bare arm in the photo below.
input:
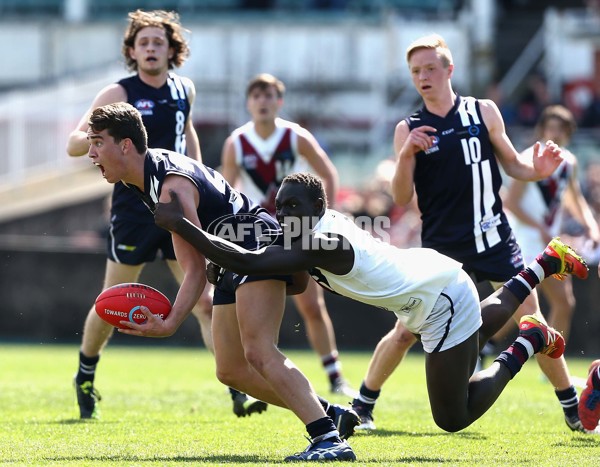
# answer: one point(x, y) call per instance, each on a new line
point(578, 207)
point(77, 143)
point(229, 166)
point(297, 256)
point(189, 258)
point(407, 144)
point(513, 202)
point(543, 163)
point(318, 159)
point(191, 137)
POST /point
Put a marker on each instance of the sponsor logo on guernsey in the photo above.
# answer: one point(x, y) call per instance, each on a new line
point(145, 106)
point(447, 132)
point(410, 305)
point(434, 147)
point(250, 161)
point(473, 130)
point(490, 223)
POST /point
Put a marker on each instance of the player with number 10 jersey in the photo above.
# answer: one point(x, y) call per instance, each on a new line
point(462, 211)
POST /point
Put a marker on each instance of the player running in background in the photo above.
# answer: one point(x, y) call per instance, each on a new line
point(447, 153)
point(153, 44)
point(429, 292)
point(247, 309)
point(255, 159)
point(537, 210)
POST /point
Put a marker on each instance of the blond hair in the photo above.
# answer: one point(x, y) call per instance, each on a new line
point(432, 42)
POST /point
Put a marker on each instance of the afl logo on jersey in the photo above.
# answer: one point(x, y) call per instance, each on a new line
point(434, 145)
point(145, 106)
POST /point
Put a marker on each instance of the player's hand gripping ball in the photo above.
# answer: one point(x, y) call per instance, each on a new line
point(122, 302)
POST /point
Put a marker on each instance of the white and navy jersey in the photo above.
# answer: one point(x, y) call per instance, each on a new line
point(407, 282)
point(457, 182)
point(221, 209)
point(165, 111)
point(264, 163)
point(543, 201)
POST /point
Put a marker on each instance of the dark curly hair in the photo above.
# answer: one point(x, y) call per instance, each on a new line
point(121, 120)
point(167, 20)
point(313, 184)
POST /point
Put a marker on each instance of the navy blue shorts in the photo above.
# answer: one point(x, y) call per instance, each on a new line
point(497, 264)
point(224, 293)
point(133, 243)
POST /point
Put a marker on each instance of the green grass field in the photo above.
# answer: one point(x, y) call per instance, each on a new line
point(162, 406)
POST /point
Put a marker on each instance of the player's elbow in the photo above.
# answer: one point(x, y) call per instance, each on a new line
point(400, 197)
point(73, 150)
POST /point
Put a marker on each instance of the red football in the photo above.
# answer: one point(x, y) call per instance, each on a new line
point(122, 302)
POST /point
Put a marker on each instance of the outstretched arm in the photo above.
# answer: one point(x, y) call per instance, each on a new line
point(273, 259)
point(77, 143)
point(544, 161)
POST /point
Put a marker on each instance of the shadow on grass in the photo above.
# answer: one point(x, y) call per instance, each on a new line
point(387, 433)
point(581, 440)
point(231, 459)
point(127, 460)
point(76, 421)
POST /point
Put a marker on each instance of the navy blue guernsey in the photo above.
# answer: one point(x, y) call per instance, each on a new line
point(165, 111)
point(220, 205)
point(457, 182)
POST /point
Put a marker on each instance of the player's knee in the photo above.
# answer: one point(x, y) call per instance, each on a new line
point(226, 376)
point(255, 357)
point(404, 339)
point(450, 423)
point(202, 312)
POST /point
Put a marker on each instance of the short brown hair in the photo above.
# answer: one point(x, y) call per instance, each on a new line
point(433, 42)
point(263, 81)
point(121, 120)
point(167, 20)
point(560, 113)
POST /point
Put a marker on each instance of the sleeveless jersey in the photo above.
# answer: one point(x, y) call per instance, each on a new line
point(221, 209)
point(264, 163)
point(164, 112)
point(407, 282)
point(457, 182)
point(543, 201)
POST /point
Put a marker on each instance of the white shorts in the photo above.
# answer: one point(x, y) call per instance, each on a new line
point(456, 315)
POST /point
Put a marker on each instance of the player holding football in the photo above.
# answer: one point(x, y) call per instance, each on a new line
point(429, 292)
point(153, 44)
point(448, 153)
point(248, 309)
point(255, 158)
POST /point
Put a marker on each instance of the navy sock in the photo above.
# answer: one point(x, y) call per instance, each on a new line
point(526, 280)
point(367, 396)
point(322, 427)
point(87, 368)
point(519, 352)
point(568, 400)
